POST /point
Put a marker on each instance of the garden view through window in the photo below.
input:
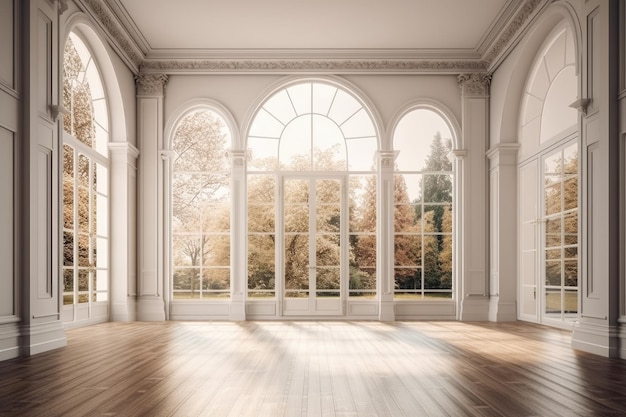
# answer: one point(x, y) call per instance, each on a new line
point(423, 207)
point(312, 203)
point(85, 178)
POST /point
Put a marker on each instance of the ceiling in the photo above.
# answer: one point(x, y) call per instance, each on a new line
point(315, 36)
point(450, 28)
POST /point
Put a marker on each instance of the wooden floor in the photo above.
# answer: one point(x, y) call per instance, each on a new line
point(314, 369)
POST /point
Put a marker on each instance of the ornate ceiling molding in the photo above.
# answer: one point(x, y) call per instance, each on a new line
point(513, 31)
point(318, 66)
point(104, 13)
point(117, 35)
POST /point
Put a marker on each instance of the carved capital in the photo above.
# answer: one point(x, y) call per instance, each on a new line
point(474, 84)
point(386, 159)
point(151, 84)
point(238, 157)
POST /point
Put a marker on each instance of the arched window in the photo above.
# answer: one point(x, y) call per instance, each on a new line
point(548, 192)
point(423, 206)
point(85, 185)
point(312, 199)
point(200, 198)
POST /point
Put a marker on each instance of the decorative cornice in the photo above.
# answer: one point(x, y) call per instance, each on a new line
point(111, 26)
point(513, 30)
point(474, 84)
point(151, 84)
point(318, 65)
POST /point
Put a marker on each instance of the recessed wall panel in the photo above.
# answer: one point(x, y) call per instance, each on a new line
point(6, 218)
point(44, 221)
point(7, 41)
point(44, 64)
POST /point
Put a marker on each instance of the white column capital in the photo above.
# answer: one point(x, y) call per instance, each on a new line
point(474, 84)
point(386, 159)
point(123, 148)
point(151, 84)
point(503, 154)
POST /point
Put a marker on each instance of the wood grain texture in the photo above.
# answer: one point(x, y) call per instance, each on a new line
point(314, 369)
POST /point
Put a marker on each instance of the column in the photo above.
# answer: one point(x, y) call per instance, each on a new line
point(238, 274)
point(503, 232)
point(384, 240)
point(473, 277)
point(150, 301)
point(597, 329)
point(123, 174)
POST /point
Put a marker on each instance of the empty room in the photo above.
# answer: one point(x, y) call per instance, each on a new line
point(313, 208)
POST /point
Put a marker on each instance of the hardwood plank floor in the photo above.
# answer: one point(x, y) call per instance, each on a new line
point(314, 369)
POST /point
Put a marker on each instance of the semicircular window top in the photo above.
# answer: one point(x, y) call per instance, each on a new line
point(312, 126)
point(550, 90)
point(200, 197)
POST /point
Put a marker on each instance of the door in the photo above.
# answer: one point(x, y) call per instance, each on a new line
point(548, 237)
point(560, 235)
point(313, 239)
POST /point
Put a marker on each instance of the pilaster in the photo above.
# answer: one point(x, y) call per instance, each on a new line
point(384, 245)
point(239, 276)
point(150, 93)
point(474, 281)
point(123, 174)
point(502, 226)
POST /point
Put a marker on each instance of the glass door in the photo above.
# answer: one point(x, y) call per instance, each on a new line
point(313, 241)
point(560, 234)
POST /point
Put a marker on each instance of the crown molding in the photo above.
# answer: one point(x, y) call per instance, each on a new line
point(125, 37)
point(117, 36)
point(280, 66)
point(513, 31)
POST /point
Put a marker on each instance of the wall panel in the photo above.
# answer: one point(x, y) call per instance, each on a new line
point(7, 144)
point(7, 43)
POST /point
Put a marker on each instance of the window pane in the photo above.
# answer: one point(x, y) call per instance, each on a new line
point(407, 250)
point(261, 272)
point(296, 261)
point(215, 280)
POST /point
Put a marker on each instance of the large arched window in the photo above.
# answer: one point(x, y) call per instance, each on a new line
point(423, 206)
point(548, 191)
point(85, 185)
point(312, 199)
point(200, 198)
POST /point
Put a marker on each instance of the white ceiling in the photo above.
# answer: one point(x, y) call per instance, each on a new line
point(447, 28)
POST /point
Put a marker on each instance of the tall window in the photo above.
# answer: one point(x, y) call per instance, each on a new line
point(548, 185)
point(312, 195)
point(423, 207)
point(85, 179)
point(201, 207)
